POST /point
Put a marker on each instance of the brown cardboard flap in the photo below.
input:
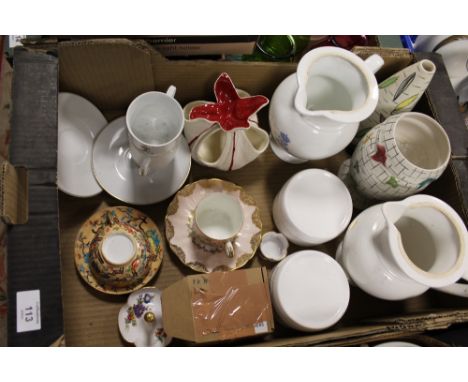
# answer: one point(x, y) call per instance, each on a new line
point(395, 59)
point(218, 306)
point(14, 194)
point(194, 79)
point(177, 316)
point(119, 70)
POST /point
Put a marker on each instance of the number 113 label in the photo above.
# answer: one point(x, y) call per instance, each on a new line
point(28, 311)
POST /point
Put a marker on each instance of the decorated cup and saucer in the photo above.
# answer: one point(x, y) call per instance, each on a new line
point(143, 158)
point(213, 225)
point(118, 250)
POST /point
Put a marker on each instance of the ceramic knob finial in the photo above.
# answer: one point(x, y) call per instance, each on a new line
point(149, 317)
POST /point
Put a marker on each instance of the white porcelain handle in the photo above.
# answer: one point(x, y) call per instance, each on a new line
point(171, 90)
point(229, 249)
point(374, 62)
point(456, 289)
point(144, 168)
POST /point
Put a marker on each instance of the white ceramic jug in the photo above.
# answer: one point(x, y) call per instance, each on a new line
point(315, 113)
point(398, 250)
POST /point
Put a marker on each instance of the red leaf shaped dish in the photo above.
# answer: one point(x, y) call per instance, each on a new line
point(230, 111)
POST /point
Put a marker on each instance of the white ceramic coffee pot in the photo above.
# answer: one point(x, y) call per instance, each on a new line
point(315, 112)
point(398, 250)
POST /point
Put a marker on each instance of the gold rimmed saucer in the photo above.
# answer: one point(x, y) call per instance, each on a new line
point(179, 225)
point(119, 215)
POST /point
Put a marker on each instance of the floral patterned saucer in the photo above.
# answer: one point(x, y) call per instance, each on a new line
point(140, 320)
point(179, 226)
point(136, 221)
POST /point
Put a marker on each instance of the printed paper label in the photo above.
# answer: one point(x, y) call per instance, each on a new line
point(261, 327)
point(28, 311)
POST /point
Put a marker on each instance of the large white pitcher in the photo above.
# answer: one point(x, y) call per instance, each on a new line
point(315, 113)
point(398, 250)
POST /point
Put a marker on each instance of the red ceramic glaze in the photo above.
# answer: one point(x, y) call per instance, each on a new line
point(380, 155)
point(230, 111)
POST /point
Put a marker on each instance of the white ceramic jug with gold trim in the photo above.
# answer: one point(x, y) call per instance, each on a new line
point(398, 250)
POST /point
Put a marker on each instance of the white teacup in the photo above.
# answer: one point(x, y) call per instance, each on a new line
point(155, 122)
point(218, 220)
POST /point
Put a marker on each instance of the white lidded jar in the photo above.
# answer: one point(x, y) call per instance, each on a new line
point(309, 291)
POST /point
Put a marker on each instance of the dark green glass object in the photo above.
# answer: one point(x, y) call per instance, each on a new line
point(278, 48)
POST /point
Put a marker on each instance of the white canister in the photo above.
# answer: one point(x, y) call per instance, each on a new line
point(313, 207)
point(309, 291)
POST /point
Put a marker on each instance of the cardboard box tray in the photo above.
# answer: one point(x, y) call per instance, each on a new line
point(110, 73)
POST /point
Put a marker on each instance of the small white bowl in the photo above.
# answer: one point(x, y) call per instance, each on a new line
point(309, 291)
point(274, 246)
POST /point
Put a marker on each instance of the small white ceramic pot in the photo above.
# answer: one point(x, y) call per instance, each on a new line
point(274, 246)
point(309, 291)
point(313, 207)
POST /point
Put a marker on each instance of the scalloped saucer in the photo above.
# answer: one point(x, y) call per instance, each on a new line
point(179, 223)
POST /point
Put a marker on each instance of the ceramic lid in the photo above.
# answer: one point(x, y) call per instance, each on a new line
point(140, 319)
point(310, 290)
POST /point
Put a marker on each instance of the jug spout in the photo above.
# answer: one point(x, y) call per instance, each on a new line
point(392, 212)
point(336, 84)
point(427, 240)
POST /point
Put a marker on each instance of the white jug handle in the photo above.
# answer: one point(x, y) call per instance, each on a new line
point(229, 249)
point(144, 168)
point(374, 62)
point(457, 289)
point(171, 90)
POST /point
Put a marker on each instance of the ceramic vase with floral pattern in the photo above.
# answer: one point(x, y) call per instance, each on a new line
point(399, 93)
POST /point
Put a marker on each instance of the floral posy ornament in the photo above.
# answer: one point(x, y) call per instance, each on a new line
point(140, 320)
point(225, 134)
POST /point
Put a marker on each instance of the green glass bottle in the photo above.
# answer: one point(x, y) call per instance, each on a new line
point(277, 48)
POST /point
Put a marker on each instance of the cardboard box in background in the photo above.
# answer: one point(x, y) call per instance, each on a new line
point(110, 73)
